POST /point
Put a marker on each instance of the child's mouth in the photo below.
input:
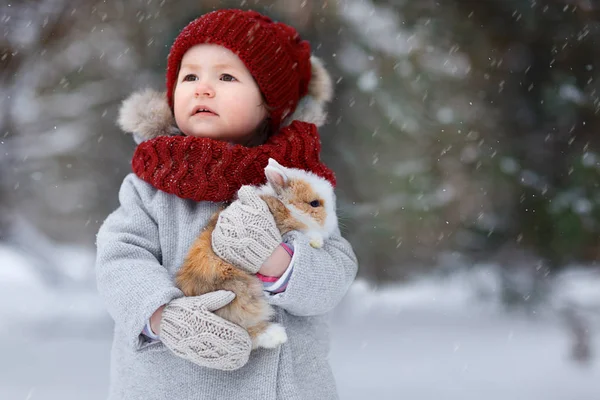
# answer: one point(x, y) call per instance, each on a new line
point(204, 111)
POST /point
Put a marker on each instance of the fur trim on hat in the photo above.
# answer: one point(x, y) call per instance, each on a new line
point(146, 114)
point(311, 108)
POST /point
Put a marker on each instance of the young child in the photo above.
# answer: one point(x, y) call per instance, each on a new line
point(240, 89)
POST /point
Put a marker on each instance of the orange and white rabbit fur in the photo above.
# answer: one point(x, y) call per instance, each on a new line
point(299, 200)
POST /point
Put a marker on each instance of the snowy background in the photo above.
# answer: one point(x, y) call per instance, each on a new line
point(464, 136)
point(437, 337)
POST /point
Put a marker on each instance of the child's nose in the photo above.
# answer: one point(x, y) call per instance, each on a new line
point(204, 89)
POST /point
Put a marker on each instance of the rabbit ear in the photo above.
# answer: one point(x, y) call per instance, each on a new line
point(276, 175)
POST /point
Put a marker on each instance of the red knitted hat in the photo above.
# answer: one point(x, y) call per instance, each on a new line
point(273, 52)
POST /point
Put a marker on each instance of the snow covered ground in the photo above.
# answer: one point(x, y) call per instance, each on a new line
point(437, 338)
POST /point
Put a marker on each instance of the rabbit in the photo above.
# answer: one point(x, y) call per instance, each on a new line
point(299, 200)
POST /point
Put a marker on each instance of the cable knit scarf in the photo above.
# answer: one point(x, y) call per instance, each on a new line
point(203, 169)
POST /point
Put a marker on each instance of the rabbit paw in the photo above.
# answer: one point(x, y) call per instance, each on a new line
point(272, 337)
point(316, 242)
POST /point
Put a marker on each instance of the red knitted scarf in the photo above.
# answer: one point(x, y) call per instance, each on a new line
point(205, 169)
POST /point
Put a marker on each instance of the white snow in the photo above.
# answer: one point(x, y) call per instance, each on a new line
point(380, 27)
point(509, 165)
point(368, 81)
point(572, 93)
point(441, 337)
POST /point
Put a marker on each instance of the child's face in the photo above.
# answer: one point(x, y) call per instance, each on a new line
point(212, 77)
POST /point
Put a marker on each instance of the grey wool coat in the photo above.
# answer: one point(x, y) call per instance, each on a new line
point(140, 247)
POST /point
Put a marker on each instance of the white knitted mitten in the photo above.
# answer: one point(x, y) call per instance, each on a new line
point(246, 233)
point(190, 330)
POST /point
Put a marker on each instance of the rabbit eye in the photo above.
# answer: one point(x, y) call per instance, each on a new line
point(315, 203)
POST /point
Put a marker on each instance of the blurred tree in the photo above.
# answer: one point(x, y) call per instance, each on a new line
point(420, 155)
point(543, 61)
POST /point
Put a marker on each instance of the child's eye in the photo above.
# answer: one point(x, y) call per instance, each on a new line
point(315, 203)
point(190, 78)
point(228, 78)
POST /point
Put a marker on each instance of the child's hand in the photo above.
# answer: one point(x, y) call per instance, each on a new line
point(277, 263)
point(155, 320)
point(190, 330)
point(246, 233)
